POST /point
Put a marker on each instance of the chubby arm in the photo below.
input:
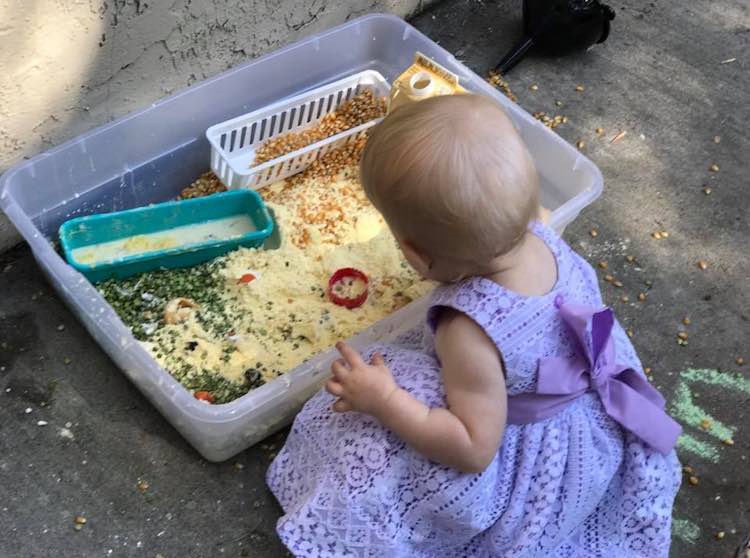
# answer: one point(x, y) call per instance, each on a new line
point(466, 435)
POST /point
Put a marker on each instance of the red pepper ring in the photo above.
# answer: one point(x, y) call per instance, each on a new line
point(246, 278)
point(206, 396)
point(347, 273)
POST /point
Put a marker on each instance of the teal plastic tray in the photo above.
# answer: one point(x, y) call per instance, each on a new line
point(96, 229)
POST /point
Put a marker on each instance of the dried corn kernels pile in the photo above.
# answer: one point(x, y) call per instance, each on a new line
point(362, 108)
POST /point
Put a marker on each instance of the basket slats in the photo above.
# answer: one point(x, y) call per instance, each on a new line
point(234, 142)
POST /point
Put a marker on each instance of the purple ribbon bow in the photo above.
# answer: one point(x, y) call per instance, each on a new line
point(626, 395)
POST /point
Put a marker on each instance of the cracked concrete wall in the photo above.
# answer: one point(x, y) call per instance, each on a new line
point(70, 65)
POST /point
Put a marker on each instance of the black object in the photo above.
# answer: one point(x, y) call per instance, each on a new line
point(559, 27)
point(743, 551)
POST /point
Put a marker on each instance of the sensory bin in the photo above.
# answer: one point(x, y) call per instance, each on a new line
point(148, 156)
point(229, 325)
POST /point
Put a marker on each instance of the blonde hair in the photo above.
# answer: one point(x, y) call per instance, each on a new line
point(452, 175)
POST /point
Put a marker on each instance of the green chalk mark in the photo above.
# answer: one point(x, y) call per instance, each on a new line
point(686, 530)
point(687, 443)
point(716, 378)
point(687, 412)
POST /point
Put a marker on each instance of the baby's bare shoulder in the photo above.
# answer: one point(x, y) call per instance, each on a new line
point(458, 336)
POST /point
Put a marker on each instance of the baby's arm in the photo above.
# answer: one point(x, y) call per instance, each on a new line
point(466, 435)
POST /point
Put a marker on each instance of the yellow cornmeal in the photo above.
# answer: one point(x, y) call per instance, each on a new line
point(284, 316)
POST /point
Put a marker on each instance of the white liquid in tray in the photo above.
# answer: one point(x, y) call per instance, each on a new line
point(217, 229)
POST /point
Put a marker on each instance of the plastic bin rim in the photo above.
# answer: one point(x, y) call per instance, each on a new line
point(14, 169)
point(254, 399)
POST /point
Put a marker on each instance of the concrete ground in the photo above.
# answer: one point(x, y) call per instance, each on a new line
point(76, 438)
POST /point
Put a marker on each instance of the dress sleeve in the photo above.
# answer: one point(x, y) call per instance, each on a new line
point(480, 299)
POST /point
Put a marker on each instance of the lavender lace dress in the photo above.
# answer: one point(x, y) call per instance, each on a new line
point(575, 484)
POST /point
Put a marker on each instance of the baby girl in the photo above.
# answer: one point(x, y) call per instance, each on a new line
point(517, 422)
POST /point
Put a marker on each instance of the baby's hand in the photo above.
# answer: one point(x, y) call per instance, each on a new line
point(359, 386)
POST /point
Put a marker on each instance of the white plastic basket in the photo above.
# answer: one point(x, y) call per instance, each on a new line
point(233, 143)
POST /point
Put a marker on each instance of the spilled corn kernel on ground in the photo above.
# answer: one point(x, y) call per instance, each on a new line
point(260, 313)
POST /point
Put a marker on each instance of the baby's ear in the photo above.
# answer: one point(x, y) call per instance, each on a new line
point(419, 260)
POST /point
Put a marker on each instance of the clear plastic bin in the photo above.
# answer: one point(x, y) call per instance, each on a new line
point(148, 156)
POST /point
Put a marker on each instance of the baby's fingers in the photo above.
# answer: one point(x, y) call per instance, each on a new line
point(334, 388)
point(351, 356)
point(377, 360)
point(339, 370)
point(342, 406)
